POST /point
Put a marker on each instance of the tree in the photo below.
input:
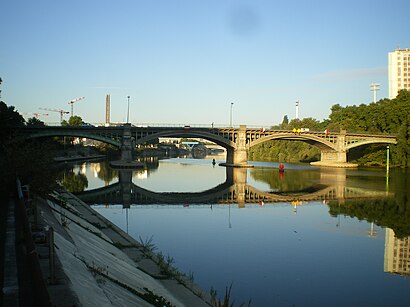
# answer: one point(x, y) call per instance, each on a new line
point(285, 122)
point(75, 121)
point(384, 116)
point(17, 155)
point(9, 118)
point(35, 122)
point(75, 182)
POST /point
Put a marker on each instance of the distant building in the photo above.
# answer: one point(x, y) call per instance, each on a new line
point(399, 71)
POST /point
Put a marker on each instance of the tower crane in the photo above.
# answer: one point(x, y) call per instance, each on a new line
point(72, 104)
point(62, 112)
point(36, 115)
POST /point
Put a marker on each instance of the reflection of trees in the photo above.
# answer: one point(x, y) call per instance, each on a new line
point(75, 182)
point(391, 213)
point(383, 212)
point(287, 182)
point(106, 173)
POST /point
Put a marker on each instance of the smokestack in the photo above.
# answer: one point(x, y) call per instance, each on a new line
point(107, 109)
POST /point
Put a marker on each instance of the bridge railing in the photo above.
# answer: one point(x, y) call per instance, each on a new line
point(170, 125)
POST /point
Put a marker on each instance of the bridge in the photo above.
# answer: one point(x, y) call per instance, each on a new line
point(235, 190)
point(237, 141)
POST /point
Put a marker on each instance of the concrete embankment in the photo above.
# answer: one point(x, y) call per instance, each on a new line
point(78, 158)
point(334, 164)
point(104, 266)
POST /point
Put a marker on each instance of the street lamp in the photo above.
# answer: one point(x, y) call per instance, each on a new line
point(297, 110)
point(230, 122)
point(128, 112)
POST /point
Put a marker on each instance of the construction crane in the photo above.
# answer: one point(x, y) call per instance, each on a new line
point(72, 104)
point(36, 115)
point(62, 112)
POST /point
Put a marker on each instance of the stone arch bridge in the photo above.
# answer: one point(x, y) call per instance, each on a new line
point(333, 146)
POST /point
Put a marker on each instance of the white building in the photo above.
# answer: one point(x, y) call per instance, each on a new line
point(399, 71)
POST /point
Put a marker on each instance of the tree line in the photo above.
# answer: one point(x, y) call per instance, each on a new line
point(19, 157)
point(387, 116)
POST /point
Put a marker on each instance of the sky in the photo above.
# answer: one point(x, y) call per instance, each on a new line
point(196, 62)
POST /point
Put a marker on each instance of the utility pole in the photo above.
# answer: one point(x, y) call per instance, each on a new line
point(374, 87)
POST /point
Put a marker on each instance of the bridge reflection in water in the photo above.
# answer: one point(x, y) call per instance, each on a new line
point(235, 190)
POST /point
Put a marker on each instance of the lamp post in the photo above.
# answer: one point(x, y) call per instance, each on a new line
point(128, 111)
point(230, 121)
point(297, 110)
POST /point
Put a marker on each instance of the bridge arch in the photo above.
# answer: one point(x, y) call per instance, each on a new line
point(75, 133)
point(219, 140)
point(319, 142)
point(367, 142)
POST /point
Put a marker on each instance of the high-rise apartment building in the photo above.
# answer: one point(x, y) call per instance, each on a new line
point(399, 71)
point(396, 254)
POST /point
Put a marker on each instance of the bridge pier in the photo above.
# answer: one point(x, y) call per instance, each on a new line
point(335, 158)
point(238, 156)
point(125, 179)
point(127, 143)
point(126, 149)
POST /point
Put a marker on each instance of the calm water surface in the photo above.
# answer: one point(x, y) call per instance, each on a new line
point(312, 237)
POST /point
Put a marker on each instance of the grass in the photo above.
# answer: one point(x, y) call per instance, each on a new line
point(226, 301)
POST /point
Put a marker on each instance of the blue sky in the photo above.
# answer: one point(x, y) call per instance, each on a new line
point(184, 62)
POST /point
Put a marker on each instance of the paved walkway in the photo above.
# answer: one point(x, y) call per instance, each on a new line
point(9, 285)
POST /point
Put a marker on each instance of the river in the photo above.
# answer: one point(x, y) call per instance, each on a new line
point(308, 237)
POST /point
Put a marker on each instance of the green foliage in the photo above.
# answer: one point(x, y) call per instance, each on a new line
point(75, 182)
point(226, 302)
point(106, 173)
point(28, 160)
point(74, 121)
point(387, 213)
point(9, 118)
point(35, 122)
point(392, 212)
point(284, 151)
point(285, 120)
point(383, 117)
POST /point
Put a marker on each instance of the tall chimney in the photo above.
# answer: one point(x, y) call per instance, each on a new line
point(107, 109)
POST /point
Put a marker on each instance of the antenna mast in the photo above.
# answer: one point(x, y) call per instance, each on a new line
point(374, 87)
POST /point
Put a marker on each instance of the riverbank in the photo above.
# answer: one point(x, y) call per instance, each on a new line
point(78, 158)
point(104, 266)
point(335, 164)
